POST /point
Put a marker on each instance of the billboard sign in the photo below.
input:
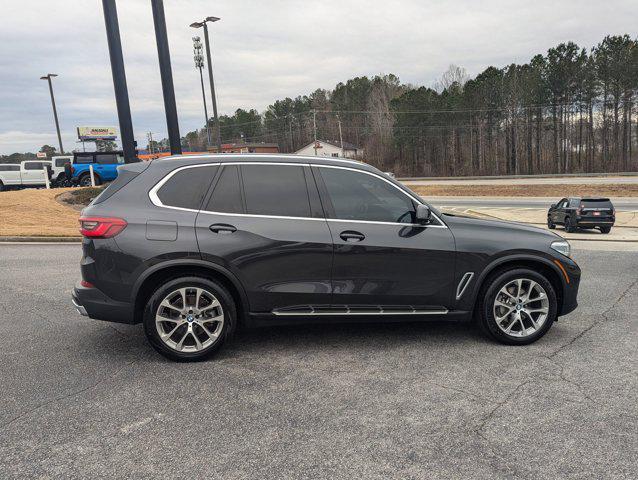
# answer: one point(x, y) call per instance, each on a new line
point(97, 133)
point(41, 155)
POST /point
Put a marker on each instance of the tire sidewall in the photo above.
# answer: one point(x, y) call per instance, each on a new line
point(222, 295)
point(487, 306)
point(550, 224)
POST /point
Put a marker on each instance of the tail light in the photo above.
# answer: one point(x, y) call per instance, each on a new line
point(101, 227)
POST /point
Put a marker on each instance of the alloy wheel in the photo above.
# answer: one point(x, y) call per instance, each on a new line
point(521, 307)
point(189, 319)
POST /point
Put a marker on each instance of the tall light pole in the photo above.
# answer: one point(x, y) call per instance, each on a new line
point(199, 64)
point(48, 77)
point(204, 23)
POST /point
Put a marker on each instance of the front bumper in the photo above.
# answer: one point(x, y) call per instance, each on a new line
point(570, 288)
point(94, 304)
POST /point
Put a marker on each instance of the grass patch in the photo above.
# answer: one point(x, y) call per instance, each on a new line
point(548, 190)
point(83, 196)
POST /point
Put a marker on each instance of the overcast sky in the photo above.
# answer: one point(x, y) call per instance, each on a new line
point(263, 51)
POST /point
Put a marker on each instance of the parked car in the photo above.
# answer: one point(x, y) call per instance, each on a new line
point(58, 164)
point(193, 246)
point(30, 173)
point(577, 212)
point(104, 167)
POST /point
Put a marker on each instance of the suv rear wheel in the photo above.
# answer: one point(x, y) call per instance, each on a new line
point(85, 180)
point(189, 318)
point(569, 228)
point(605, 229)
point(518, 307)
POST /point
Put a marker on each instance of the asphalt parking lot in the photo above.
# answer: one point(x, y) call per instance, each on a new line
point(81, 398)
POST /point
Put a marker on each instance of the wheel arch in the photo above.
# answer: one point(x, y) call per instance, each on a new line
point(538, 264)
point(163, 272)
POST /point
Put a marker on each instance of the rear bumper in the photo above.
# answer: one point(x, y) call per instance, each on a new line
point(92, 303)
point(590, 222)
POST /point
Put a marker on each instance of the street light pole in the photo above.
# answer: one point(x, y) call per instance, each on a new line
point(199, 64)
point(55, 111)
point(210, 75)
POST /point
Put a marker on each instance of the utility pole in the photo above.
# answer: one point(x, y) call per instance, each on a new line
point(149, 136)
point(119, 80)
point(204, 24)
point(48, 77)
point(314, 128)
point(199, 64)
point(340, 134)
point(161, 37)
point(292, 147)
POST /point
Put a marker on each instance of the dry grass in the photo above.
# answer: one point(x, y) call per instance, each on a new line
point(34, 212)
point(558, 191)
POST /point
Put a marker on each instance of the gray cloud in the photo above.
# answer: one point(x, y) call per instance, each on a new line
point(262, 51)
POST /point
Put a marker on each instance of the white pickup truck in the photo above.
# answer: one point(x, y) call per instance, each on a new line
point(30, 173)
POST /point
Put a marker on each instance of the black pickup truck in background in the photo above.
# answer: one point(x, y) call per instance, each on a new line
point(576, 213)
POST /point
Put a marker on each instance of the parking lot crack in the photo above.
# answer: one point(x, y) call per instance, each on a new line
point(66, 397)
point(603, 316)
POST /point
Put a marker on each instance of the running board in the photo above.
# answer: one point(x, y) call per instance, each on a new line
point(338, 311)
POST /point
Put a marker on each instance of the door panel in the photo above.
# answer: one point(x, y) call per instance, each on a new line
point(280, 262)
point(392, 265)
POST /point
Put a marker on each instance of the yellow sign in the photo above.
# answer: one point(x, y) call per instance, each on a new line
point(97, 133)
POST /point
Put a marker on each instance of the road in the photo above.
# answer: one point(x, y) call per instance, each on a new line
point(621, 204)
point(86, 399)
point(560, 180)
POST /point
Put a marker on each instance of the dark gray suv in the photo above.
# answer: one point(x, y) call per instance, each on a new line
point(194, 246)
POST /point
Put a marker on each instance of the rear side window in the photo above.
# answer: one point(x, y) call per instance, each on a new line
point(123, 177)
point(61, 162)
point(278, 190)
point(83, 158)
point(106, 159)
point(9, 168)
point(33, 166)
point(226, 197)
point(186, 188)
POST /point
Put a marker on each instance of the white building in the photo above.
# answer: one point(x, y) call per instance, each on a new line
point(324, 148)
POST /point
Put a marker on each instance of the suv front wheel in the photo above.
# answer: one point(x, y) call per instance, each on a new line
point(518, 307)
point(189, 318)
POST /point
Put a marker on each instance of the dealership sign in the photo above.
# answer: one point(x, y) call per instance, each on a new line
point(97, 133)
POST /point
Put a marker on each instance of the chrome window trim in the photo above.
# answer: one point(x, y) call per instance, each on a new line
point(155, 200)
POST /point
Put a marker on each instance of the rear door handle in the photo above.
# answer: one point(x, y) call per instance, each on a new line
point(352, 236)
point(222, 228)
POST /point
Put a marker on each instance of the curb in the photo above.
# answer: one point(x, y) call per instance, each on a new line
point(41, 239)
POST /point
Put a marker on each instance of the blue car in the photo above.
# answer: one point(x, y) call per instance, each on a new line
point(104, 167)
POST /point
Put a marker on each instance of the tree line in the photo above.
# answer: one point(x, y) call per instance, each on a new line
point(570, 110)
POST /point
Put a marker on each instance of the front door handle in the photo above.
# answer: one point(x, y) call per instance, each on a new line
point(352, 236)
point(222, 228)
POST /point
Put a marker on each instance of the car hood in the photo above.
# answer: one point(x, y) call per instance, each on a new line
point(483, 223)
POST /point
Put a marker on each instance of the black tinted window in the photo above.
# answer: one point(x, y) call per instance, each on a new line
point(597, 203)
point(33, 166)
point(61, 162)
point(227, 194)
point(83, 158)
point(359, 196)
point(9, 168)
point(276, 190)
point(106, 159)
point(186, 189)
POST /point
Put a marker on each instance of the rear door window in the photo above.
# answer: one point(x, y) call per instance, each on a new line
point(186, 188)
point(226, 197)
point(106, 159)
point(83, 158)
point(9, 168)
point(61, 162)
point(277, 190)
point(33, 165)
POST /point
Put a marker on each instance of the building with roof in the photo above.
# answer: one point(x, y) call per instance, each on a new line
point(324, 148)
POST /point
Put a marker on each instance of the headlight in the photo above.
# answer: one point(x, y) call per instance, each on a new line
point(562, 246)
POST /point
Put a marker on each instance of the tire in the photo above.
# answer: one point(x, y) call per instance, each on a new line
point(569, 228)
point(605, 229)
point(85, 180)
point(520, 334)
point(551, 225)
point(2, 188)
point(189, 331)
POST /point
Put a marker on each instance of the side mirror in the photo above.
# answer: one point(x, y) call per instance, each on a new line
point(423, 214)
